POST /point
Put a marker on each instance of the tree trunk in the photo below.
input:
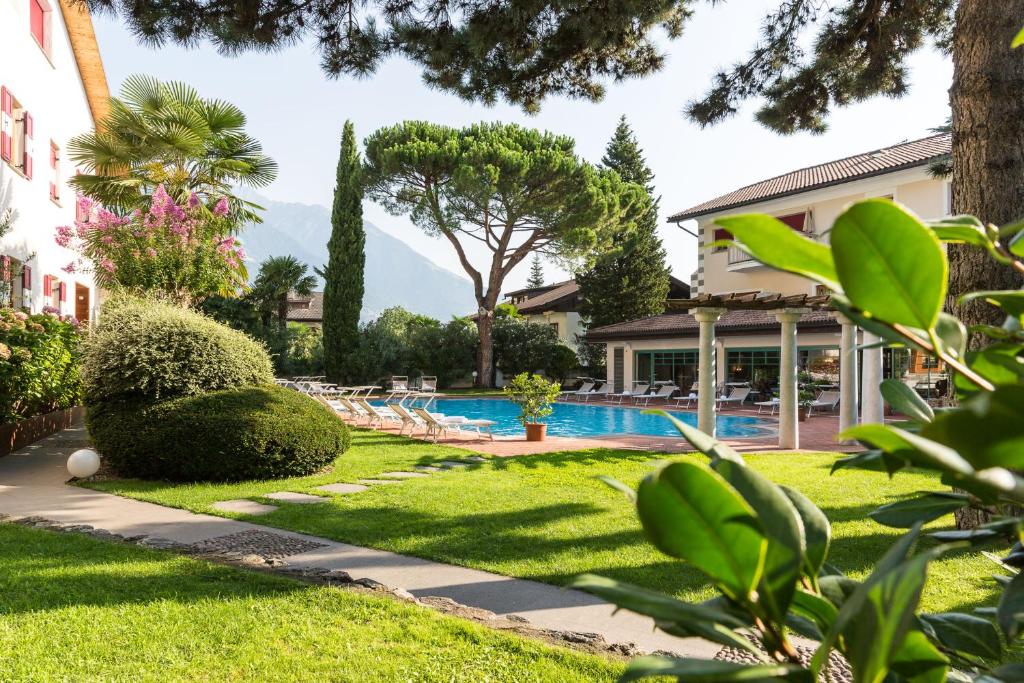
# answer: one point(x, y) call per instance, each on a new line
point(987, 100)
point(485, 355)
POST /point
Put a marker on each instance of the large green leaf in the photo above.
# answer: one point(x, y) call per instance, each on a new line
point(919, 661)
point(1010, 301)
point(872, 460)
point(906, 400)
point(1018, 39)
point(701, 621)
point(817, 531)
point(816, 608)
point(774, 243)
point(904, 514)
point(703, 670)
point(889, 263)
point(1010, 611)
point(912, 447)
point(783, 528)
point(988, 429)
point(1001, 364)
point(690, 512)
point(964, 633)
point(706, 444)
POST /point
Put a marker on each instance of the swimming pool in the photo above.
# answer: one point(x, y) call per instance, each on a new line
point(582, 419)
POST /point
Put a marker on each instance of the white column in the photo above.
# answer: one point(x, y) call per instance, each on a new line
point(627, 367)
point(847, 373)
point(789, 433)
point(872, 408)
point(706, 368)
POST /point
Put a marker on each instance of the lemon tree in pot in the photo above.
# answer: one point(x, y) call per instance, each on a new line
point(534, 395)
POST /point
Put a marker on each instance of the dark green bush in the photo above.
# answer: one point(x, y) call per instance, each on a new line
point(146, 351)
point(232, 435)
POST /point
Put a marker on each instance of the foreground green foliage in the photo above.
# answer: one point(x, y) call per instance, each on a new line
point(765, 547)
point(230, 435)
point(79, 609)
point(39, 357)
point(145, 351)
point(548, 517)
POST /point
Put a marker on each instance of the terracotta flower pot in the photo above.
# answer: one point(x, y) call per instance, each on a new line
point(801, 413)
point(535, 431)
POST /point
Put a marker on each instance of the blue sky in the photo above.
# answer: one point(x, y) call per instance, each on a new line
point(298, 113)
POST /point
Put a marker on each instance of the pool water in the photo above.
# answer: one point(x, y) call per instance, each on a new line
point(582, 419)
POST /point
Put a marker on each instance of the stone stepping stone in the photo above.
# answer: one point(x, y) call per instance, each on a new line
point(292, 497)
point(449, 464)
point(343, 488)
point(244, 506)
point(476, 458)
point(372, 482)
point(403, 475)
point(428, 468)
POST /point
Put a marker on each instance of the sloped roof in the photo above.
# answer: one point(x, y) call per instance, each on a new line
point(87, 57)
point(306, 309)
point(685, 325)
point(566, 291)
point(877, 162)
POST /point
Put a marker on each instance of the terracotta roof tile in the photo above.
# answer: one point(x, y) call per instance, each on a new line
point(299, 311)
point(877, 162)
point(545, 300)
point(684, 325)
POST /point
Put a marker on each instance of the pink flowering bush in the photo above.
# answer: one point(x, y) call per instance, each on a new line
point(183, 252)
point(39, 357)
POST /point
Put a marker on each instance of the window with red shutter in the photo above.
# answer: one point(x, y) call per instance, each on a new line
point(6, 123)
point(28, 128)
point(26, 277)
point(54, 171)
point(39, 18)
point(63, 289)
point(722, 234)
point(47, 286)
point(797, 221)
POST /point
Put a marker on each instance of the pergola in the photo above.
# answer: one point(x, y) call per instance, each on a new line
point(788, 309)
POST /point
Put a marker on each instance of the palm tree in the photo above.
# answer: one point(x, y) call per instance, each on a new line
point(279, 276)
point(165, 133)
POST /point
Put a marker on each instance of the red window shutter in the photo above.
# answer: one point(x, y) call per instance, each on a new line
point(722, 234)
point(29, 131)
point(53, 155)
point(53, 190)
point(26, 277)
point(795, 220)
point(47, 286)
point(36, 24)
point(6, 112)
point(63, 289)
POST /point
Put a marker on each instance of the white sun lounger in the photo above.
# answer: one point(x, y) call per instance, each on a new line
point(379, 415)
point(665, 392)
point(737, 396)
point(604, 391)
point(686, 401)
point(585, 388)
point(826, 399)
point(772, 403)
point(638, 390)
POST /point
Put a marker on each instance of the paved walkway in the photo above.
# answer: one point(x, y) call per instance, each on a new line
point(32, 482)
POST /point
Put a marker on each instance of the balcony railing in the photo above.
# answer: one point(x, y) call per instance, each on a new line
point(738, 256)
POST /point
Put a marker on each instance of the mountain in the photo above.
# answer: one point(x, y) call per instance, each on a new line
point(396, 275)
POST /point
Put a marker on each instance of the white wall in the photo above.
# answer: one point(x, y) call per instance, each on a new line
point(52, 92)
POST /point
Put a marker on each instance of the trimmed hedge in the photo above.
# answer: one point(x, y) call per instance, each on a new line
point(233, 435)
point(145, 351)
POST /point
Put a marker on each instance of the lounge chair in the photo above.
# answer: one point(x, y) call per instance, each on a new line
point(639, 390)
point(664, 392)
point(737, 396)
point(585, 388)
point(408, 419)
point(689, 400)
point(428, 383)
point(772, 403)
point(357, 412)
point(379, 415)
point(603, 392)
point(826, 399)
point(437, 425)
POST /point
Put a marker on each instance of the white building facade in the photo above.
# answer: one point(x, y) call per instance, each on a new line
point(52, 88)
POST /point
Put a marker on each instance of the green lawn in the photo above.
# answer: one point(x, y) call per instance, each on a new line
point(546, 517)
point(75, 608)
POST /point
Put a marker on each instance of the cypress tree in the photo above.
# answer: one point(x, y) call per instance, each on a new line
point(536, 273)
point(632, 280)
point(343, 276)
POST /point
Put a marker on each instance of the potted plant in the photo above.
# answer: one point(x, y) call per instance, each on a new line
point(534, 395)
point(805, 399)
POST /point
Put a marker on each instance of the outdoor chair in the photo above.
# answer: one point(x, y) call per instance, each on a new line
point(736, 397)
point(584, 389)
point(603, 392)
point(435, 425)
point(772, 403)
point(826, 399)
point(639, 390)
point(408, 419)
point(379, 415)
point(686, 401)
point(428, 383)
point(664, 392)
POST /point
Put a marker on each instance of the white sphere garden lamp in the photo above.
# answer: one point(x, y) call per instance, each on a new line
point(83, 463)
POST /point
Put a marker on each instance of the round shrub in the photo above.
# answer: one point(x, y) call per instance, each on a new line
point(232, 435)
point(147, 351)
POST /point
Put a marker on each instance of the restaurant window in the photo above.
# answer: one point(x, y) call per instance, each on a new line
point(823, 364)
point(750, 365)
point(678, 367)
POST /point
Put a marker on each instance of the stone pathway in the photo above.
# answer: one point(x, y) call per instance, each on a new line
point(32, 484)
